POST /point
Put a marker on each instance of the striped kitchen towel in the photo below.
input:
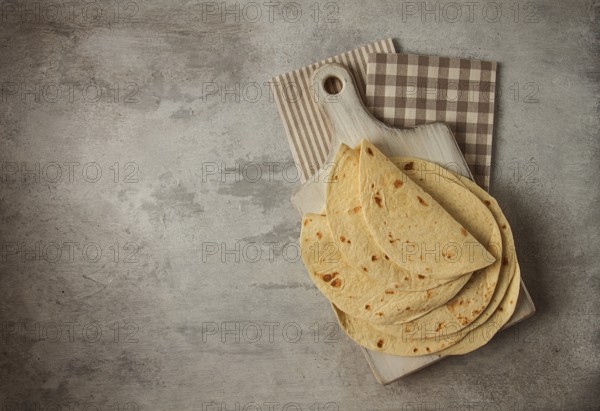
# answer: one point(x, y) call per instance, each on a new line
point(307, 131)
point(406, 90)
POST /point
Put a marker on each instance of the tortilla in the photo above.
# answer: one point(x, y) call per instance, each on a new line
point(365, 335)
point(350, 230)
point(465, 341)
point(371, 300)
point(422, 338)
point(509, 263)
point(413, 229)
point(472, 300)
point(484, 333)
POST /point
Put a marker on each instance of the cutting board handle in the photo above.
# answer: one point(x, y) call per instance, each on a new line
point(350, 122)
point(345, 112)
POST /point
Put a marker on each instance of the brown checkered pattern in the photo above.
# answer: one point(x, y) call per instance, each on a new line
point(407, 90)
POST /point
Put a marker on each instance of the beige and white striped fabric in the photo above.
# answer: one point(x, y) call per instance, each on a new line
point(307, 131)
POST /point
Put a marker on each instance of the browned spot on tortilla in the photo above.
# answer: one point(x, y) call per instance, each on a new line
point(373, 258)
point(319, 235)
point(389, 291)
point(487, 203)
point(423, 202)
point(463, 231)
point(409, 166)
point(386, 257)
point(342, 239)
point(475, 312)
point(452, 305)
point(429, 292)
point(370, 151)
point(427, 348)
point(367, 307)
point(500, 309)
point(421, 277)
point(511, 301)
point(398, 183)
point(405, 278)
point(330, 276)
point(356, 209)
point(407, 309)
point(463, 320)
point(378, 201)
point(427, 269)
point(372, 185)
point(439, 326)
point(504, 226)
point(379, 314)
point(306, 222)
point(349, 242)
point(380, 343)
point(365, 269)
point(397, 285)
point(415, 349)
point(505, 261)
point(336, 283)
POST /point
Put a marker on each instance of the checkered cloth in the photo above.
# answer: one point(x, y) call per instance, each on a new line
point(406, 90)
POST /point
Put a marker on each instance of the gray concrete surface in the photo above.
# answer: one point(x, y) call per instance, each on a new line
point(145, 313)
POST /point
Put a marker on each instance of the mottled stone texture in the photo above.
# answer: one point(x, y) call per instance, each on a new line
point(130, 301)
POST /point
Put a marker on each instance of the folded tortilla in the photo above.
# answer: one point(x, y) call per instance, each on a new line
point(410, 226)
point(463, 342)
point(372, 300)
point(350, 231)
point(464, 308)
point(422, 337)
point(481, 335)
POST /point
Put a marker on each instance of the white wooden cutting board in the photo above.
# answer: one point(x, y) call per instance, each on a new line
point(336, 95)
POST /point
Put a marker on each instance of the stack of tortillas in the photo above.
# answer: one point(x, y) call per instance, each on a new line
point(414, 259)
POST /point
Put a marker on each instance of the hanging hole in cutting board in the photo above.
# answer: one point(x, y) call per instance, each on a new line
point(333, 85)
